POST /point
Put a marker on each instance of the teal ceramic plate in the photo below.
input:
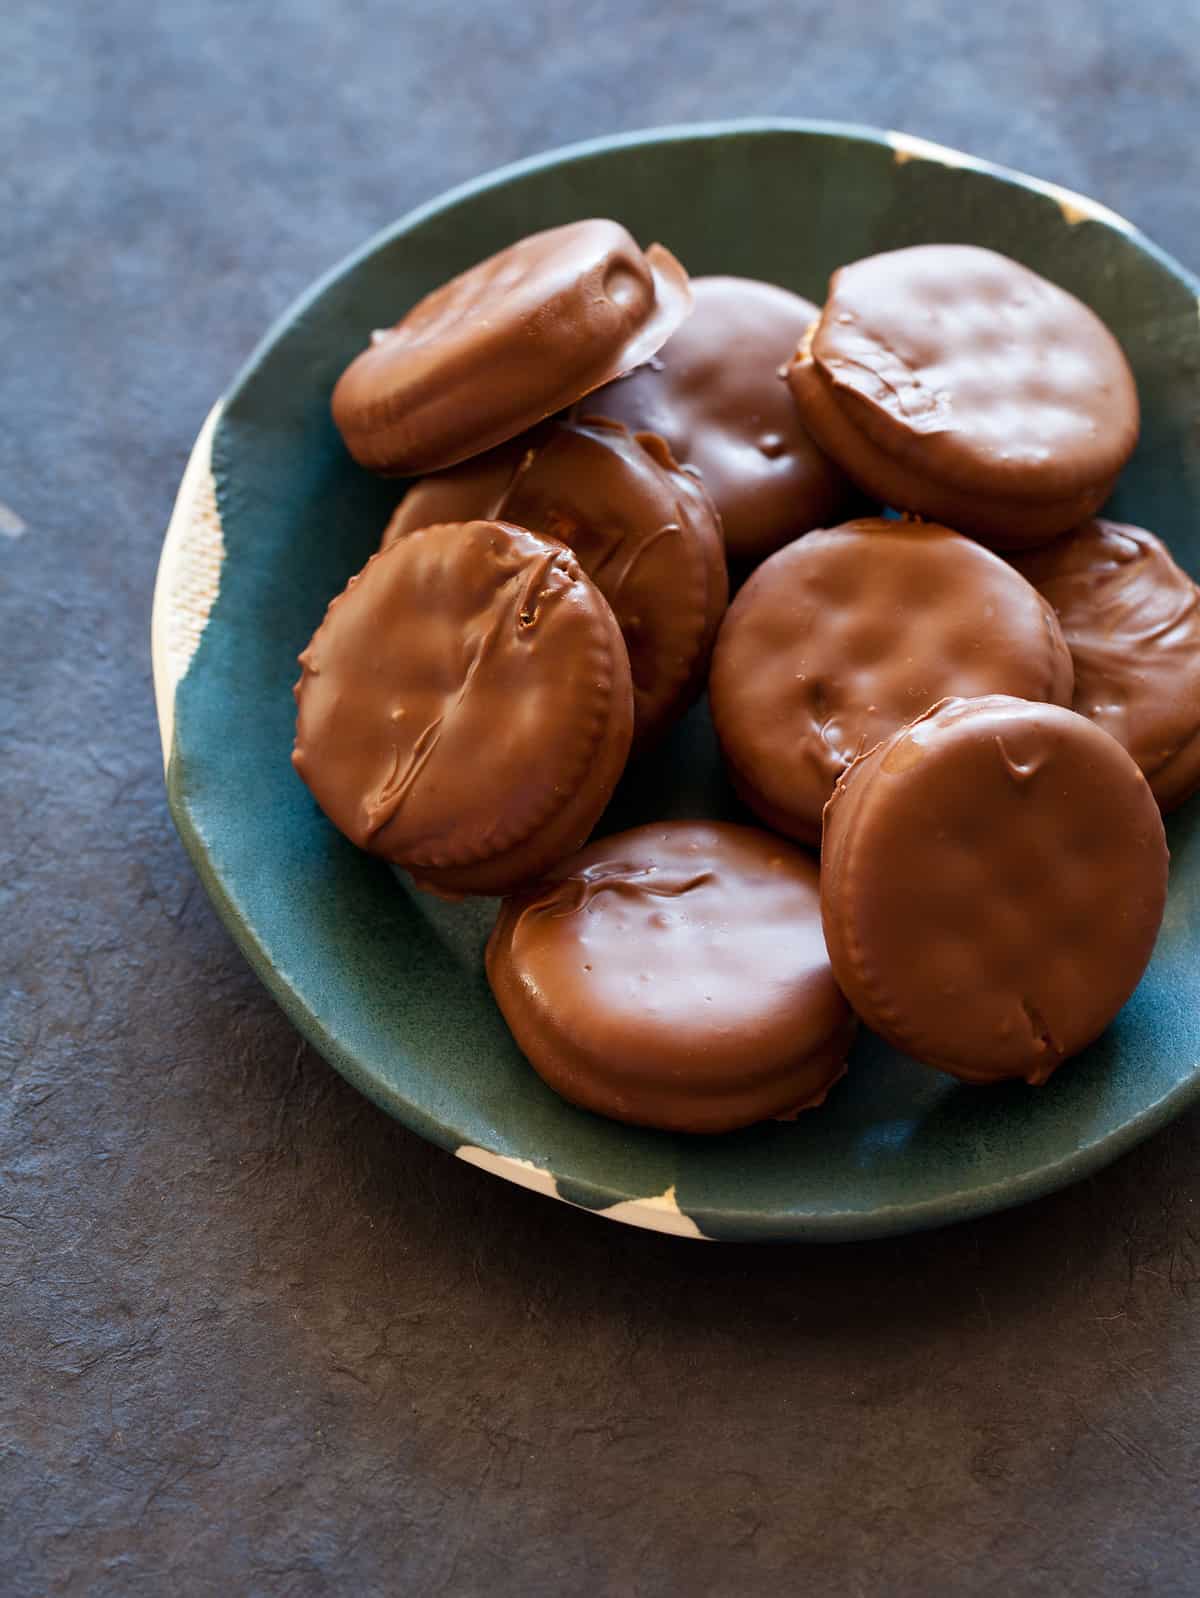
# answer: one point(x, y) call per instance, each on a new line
point(273, 518)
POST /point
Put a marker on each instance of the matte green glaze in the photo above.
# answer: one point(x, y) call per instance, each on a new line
point(391, 991)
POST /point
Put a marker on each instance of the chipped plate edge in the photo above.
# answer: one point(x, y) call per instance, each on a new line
point(660, 1213)
point(188, 580)
point(1075, 207)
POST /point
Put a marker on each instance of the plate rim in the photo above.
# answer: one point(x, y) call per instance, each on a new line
point(193, 543)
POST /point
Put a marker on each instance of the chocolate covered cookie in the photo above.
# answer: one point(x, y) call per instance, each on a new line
point(465, 708)
point(956, 383)
point(715, 393)
point(1131, 619)
point(992, 881)
point(845, 635)
point(498, 348)
point(675, 976)
point(644, 531)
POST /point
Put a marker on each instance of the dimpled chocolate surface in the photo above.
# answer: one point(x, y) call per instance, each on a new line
point(1131, 618)
point(993, 879)
point(675, 976)
point(845, 635)
point(715, 393)
point(506, 343)
point(644, 531)
point(467, 685)
point(946, 376)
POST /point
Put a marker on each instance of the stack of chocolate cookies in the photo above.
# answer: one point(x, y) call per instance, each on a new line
point(939, 671)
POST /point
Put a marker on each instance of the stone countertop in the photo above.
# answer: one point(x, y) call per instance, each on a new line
point(254, 1337)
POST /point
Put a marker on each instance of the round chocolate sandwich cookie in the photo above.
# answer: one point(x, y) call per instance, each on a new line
point(644, 531)
point(992, 881)
point(1131, 619)
point(954, 382)
point(493, 351)
point(465, 707)
point(675, 976)
point(716, 394)
point(847, 634)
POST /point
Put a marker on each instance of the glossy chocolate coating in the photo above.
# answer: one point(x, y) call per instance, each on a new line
point(675, 976)
point(992, 881)
point(1131, 619)
point(644, 531)
point(715, 393)
point(845, 635)
point(498, 348)
point(465, 708)
point(954, 382)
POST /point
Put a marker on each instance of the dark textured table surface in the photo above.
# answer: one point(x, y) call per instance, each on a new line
point(254, 1337)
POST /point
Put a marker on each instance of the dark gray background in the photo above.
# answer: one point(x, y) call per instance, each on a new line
point(255, 1338)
